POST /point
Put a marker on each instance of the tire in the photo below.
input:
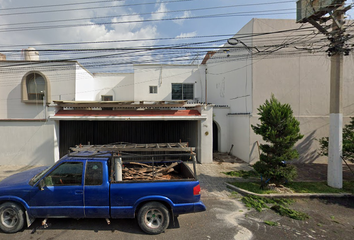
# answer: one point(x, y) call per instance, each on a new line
point(11, 217)
point(153, 218)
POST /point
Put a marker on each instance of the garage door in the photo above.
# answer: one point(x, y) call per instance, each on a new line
point(102, 132)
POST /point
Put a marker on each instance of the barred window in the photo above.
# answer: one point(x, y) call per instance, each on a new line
point(182, 91)
point(153, 89)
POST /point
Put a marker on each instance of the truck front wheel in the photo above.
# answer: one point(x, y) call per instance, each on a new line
point(11, 217)
point(153, 218)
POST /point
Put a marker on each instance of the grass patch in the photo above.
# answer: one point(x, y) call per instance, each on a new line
point(242, 173)
point(280, 206)
point(270, 223)
point(252, 187)
point(299, 187)
point(348, 186)
point(259, 203)
point(284, 211)
point(319, 187)
point(255, 202)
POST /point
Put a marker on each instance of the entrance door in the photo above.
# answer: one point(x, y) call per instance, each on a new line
point(215, 137)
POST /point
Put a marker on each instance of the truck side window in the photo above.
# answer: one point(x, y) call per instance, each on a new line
point(94, 173)
point(67, 173)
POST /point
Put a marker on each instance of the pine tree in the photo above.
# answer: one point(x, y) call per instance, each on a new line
point(280, 130)
point(347, 143)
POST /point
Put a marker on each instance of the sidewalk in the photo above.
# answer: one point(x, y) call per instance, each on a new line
point(212, 179)
point(8, 170)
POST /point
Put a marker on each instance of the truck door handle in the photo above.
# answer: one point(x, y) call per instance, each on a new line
point(78, 192)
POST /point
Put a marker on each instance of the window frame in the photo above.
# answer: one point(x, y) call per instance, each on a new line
point(49, 177)
point(88, 173)
point(182, 91)
point(103, 96)
point(152, 87)
point(24, 88)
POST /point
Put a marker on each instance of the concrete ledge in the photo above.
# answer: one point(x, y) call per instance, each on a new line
point(290, 195)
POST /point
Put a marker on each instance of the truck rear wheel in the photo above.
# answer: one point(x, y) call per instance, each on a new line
point(153, 218)
point(11, 217)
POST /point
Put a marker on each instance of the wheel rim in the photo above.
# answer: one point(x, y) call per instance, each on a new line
point(9, 218)
point(154, 218)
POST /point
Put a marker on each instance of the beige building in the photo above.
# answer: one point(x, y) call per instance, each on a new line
point(280, 57)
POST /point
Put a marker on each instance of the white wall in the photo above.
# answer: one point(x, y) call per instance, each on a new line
point(229, 80)
point(303, 81)
point(26, 137)
point(118, 85)
point(205, 135)
point(163, 76)
point(239, 127)
point(26, 143)
point(60, 75)
point(222, 121)
point(84, 85)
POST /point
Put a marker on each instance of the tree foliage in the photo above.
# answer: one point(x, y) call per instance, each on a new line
point(280, 130)
point(347, 144)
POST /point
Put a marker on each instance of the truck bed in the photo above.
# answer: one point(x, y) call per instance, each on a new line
point(156, 171)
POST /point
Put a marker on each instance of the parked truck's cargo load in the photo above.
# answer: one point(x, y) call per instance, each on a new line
point(97, 182)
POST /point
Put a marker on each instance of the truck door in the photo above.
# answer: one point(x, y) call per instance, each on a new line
point(62, 195)
point(96, 190)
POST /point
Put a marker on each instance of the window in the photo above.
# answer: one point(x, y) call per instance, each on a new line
point(94, 173)
point(35, 87)
point(182, 91)
point(153, 89)
point(68, 173)
point(106, 98)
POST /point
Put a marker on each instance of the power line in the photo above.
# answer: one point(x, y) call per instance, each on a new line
point(59, 5)
point(221, 15)
point(240, 36)
point(90, 8)
point(175, 51)
point(150, 13)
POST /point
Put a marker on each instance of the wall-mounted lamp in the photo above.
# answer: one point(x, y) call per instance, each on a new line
point(227, 51)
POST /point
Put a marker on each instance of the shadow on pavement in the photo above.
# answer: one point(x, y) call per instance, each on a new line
point(345, 202)
point(94, 225)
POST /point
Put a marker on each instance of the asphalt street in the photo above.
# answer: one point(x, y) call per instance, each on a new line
point(226, 218)
point(218, 222)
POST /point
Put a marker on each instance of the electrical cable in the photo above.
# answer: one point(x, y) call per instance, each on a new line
point(221, 15)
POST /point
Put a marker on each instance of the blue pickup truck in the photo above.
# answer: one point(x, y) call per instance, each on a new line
point(105, 185)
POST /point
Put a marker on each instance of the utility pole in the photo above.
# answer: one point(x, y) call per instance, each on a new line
point(312, 11)
point(335, 167)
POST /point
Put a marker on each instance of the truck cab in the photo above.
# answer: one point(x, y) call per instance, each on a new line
point(95, 184)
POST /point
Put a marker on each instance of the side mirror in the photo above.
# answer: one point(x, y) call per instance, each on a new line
point(41, 185)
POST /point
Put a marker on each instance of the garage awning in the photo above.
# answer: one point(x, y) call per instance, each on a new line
point(127, 115)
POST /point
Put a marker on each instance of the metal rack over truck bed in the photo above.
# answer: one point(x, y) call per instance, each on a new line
point(145, 162)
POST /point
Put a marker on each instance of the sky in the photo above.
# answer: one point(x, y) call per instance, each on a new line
point(135, 27)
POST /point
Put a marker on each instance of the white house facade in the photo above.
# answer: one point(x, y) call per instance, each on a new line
point(47, 107)
point(166, 103)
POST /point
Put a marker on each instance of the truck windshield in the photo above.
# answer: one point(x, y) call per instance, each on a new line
point(38, 176)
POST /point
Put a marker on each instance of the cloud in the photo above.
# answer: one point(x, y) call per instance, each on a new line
point(185, 15)
point(93, 32)
point(160, 13)
point(186, 35)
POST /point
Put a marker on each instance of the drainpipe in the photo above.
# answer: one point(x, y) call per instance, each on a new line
point(45, 105)
point(206, 87)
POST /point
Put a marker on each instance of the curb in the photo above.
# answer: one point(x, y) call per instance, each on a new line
point(291, 195)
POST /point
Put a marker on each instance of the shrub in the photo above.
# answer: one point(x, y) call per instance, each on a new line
point(280, 130)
